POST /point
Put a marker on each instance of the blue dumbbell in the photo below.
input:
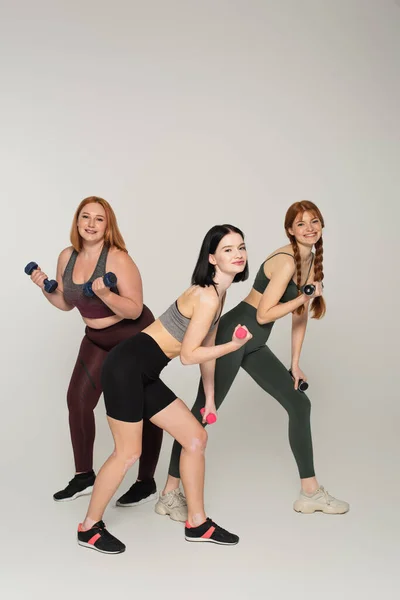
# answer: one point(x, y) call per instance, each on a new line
point(302, 386)
point(110, 281)
point(49, 284)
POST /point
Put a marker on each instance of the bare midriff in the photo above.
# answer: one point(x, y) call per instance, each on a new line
point(168, 344)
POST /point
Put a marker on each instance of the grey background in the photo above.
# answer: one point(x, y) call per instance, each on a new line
point(184, 114)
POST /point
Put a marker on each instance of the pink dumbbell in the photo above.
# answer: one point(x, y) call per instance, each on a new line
point(210, 418)
point(241, 333)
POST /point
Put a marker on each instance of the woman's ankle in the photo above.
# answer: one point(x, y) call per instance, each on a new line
point(309, 485)
point(196, 519)
point(172, 484)
point(88, 523)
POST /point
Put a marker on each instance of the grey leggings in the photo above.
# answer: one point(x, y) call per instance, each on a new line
point(270, 374)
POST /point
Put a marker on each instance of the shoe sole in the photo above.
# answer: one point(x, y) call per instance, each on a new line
point(161, 510)
point(205, 540)
point(309, 510)
point(143, 501)
point(85, 545)
point(86, 492)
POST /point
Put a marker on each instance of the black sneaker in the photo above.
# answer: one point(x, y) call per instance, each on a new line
point(210, 532)
point(98, 538)
point(139, 493)
point(80, 485)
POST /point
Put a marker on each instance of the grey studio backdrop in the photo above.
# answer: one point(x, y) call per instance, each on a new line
point(186, 114)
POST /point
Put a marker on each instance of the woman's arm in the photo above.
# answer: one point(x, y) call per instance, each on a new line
point(128, 304)
point(56, 298)
point(299, 326)
point(269, 308)
point(204, 310)
point(207, 369)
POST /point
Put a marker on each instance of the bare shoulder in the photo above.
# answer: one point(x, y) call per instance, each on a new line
point(117, 254)
point(65, 255)
point(205, 296)
point(281, 260)
point(199, 299)
point(119, 257)
point(285, 253)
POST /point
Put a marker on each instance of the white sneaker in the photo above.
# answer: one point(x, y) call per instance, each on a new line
point(172, 504)
point(320, 500)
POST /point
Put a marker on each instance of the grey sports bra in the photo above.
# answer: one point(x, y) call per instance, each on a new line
point(176, 323)
point(90, 308)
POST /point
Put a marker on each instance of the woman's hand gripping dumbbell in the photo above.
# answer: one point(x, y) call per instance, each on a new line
point(302, 385)
point(100, 284)
point(313, 289)
point(40, 278)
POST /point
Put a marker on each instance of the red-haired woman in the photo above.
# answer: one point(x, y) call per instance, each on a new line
point(111, 316)
point(277, 292)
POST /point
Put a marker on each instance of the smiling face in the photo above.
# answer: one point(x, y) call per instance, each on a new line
point(92, 222)
point(230, 256)
point(306, 228)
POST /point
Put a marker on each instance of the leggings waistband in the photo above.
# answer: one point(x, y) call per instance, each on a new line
point(108, 337)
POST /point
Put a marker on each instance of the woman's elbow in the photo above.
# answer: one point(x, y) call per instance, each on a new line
point(136, 311)
point(185, 359)
point(261, 319)
point(187, 355)
point(66, 307)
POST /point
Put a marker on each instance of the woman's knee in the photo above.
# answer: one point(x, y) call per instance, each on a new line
point(300, 405)
point(127, 457)
point(74, 402)
point(197, 442)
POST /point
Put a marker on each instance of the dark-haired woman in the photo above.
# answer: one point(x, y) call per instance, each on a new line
point(133, 389)
point(276, 292)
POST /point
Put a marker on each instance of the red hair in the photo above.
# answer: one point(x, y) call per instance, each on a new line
point(112, 234)
point(318, 306)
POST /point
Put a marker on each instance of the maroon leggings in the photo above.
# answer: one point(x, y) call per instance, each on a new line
point(85, 389)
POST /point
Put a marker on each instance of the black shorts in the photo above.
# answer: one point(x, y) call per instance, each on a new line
point(130, 379)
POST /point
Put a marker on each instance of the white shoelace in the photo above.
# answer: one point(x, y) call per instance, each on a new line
point(328, 497)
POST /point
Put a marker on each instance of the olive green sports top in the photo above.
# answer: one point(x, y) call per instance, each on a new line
point(261, 281)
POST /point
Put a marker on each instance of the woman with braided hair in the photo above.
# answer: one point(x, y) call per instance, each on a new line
point(277, 291)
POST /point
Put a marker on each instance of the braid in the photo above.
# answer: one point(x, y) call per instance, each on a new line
point(297, 259)
point(319, 254)
point(318, 306)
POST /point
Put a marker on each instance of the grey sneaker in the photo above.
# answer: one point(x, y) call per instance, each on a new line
point(172, 504)
point(322, 501)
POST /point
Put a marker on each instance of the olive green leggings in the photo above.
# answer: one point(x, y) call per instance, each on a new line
point(270, 374)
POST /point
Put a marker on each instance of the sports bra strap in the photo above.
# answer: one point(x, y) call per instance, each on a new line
point(287, 254)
